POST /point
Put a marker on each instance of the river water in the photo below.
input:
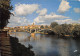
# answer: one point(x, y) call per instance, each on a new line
point(48, 45)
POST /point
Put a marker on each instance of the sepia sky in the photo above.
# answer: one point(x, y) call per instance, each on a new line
point(43, 12)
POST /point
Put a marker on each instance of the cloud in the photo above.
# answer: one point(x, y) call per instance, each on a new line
point(20, 12)
point(42, 12)
point(64, 6)
point(77, 10)
point(17, 21)
point(79, 0)
point(68, 21)
point(47, 19)
point(25, 9)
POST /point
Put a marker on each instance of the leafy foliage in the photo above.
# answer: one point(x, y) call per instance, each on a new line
point(5, 8)
point(66, 29)
point(76, 31)
point(53, 24)
point(46, 26)
point(58, 29)
point(42, 27)
point(19, 49)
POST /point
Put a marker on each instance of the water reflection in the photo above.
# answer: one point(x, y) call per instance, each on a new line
point(48, 45)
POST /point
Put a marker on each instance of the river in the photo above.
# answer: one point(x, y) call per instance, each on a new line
point(49, 45)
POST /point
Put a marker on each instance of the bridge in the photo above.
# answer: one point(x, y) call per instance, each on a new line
point(30, 30)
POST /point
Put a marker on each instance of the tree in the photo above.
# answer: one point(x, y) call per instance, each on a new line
point(58, 29)
point(41, 26)
point(46, 26)
point(67, 28)
point(5, 13)
point(76, 31)
point(76, 28)
point(53, 24)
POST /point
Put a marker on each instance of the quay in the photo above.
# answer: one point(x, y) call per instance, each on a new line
point(5, 45)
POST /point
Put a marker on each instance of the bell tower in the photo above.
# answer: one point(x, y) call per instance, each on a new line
point(33, 24)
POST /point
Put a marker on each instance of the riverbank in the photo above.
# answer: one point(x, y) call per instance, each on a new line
point(20, 50)
point(10, 46)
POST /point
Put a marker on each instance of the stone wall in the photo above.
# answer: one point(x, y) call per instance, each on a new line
point(5, 46)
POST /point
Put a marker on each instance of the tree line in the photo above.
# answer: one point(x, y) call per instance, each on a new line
point(66, 29)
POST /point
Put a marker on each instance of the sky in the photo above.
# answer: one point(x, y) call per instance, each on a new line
point(43, 12)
